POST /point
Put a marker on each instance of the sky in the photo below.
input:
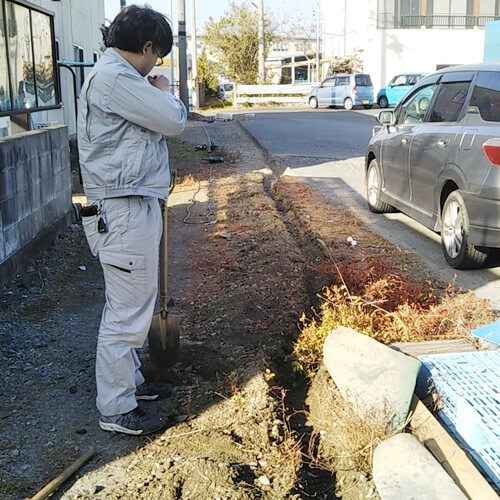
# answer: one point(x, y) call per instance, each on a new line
point(213, 8)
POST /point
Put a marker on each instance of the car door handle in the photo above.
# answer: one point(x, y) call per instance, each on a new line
point(442, 143)
point(405, 140)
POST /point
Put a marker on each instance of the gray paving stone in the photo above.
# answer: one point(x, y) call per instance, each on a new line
point(374, 378)
point(404, 469)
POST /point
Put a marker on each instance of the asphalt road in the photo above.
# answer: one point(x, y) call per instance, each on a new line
point(306, 137)
point(327, 148)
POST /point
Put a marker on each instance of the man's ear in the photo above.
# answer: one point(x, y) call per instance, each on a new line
point(147, 47)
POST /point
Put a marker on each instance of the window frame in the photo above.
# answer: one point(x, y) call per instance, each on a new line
point(402, 105)
point(31, 7)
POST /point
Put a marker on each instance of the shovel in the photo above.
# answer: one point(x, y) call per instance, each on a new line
point(164, 331)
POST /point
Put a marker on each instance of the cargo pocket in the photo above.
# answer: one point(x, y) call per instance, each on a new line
point(91, 233)
point(125, 278)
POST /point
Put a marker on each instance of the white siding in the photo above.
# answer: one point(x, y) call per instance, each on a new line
point(387, 52)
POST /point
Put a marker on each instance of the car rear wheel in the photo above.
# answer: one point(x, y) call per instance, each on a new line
point(373, 189)
point(383, 102)
point(348, 104)
point(455, 230)
point(313, 102)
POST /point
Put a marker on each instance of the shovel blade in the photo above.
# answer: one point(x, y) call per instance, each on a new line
point(164, 339)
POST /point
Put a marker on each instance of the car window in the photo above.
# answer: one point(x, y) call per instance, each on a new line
point(486, 95)
point(342, 80)
point(363, 80)
point(415, 107)
point(400, 80)
point(449, 102)
point(329, 83)
point(413, 79)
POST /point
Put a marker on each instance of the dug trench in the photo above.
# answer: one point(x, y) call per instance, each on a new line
point(244, 264)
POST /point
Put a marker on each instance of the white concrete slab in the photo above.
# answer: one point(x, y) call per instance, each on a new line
point(374, 378)
point(403, 469)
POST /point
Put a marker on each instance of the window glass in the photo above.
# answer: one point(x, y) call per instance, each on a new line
point(410, 7)
point(450, 7)
point(415, 107)
point(80, 76)
point(342, 80)
point(486, 95)
point(329, 83)
point(413, 79)
point(363, 80)
point(20, 56)
point(44, 62)
point(487, 8)
point(4, 76)
point(458, 7)
point(449, 102)
point(399, 80)
point(385, 14)
point(441, 7)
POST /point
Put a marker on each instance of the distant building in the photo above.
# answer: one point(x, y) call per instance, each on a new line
point(394, 36)
point(34, 91)
point(292, 61)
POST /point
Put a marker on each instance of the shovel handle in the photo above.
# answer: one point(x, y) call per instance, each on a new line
point(164, 259)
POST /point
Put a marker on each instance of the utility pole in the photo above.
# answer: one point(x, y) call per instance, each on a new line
point(183, 93)
point(317, 44)
point(194, 57)
point(122, 4)
point(260, 14)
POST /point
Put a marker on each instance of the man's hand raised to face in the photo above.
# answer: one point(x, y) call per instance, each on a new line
point(159, 81)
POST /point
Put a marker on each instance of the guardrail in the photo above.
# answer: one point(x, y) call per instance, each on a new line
point(260, 94)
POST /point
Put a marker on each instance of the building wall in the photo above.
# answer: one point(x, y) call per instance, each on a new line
point(76, 22)
point(35, 191)
point(352, 26)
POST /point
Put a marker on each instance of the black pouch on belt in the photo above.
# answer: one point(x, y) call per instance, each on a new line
point(89, 211)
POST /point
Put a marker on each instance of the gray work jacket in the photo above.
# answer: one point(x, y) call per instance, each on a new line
point(122, 121)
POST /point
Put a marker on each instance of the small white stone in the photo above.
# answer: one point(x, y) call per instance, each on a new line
point(264, 481)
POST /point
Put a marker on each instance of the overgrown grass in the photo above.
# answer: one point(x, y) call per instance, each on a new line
point(376, 300)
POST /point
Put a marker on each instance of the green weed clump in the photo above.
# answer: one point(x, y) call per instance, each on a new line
point(374, 299)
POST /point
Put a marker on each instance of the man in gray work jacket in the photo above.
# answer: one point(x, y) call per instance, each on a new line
point(123, 118)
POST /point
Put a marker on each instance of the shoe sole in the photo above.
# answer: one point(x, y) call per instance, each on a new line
point(147, 397)
point(107, 426)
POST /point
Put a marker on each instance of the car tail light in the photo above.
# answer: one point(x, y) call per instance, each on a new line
point(492, 150)
point(354, 89)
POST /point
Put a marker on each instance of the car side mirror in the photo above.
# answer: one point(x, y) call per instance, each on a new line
point(386, 117)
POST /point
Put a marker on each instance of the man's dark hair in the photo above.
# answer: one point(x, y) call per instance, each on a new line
point(134, 26)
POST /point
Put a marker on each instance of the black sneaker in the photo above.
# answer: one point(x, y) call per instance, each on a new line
point(151, 391)
point(136, 422)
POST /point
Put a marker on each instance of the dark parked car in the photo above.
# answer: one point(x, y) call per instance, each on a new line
point(437, 159)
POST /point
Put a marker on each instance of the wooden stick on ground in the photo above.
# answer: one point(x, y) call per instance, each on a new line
point(65, 474)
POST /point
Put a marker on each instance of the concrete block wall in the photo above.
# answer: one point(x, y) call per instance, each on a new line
point(35, 188)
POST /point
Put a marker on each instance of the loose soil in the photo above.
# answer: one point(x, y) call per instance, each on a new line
point(243, 267)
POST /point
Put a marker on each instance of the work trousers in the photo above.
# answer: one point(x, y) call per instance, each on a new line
point(128, 253)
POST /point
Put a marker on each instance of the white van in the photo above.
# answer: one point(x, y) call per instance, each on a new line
point(226, 91)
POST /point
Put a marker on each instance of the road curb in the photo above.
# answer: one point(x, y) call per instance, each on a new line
point(270, 159)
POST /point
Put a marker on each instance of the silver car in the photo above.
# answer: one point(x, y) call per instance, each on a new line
point(347, 90)
point(437, 159)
